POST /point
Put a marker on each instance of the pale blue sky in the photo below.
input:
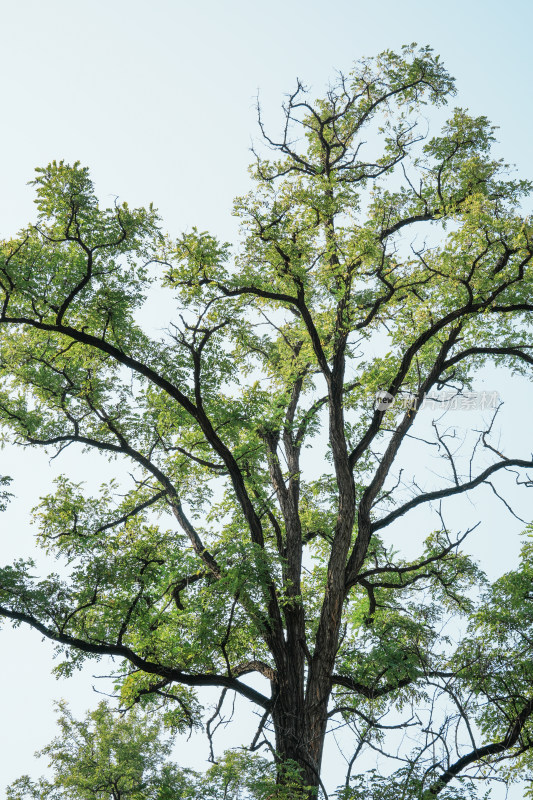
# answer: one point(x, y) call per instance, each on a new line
point(157, 98)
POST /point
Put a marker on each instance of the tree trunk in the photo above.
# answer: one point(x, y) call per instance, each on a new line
point(300, 728)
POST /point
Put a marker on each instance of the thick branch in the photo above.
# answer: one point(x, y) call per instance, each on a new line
point(440, 493)
point(370, 692)
point(122, 651)
point(154, 377)
point(478, 753)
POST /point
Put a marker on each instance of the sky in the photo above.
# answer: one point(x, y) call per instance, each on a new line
point(158, 99)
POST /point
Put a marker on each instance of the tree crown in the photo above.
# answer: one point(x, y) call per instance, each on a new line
point(401, 265)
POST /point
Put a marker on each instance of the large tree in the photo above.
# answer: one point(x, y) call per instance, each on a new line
point(374, 257)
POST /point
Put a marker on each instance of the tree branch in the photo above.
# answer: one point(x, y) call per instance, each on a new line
point(122, 651)
point(440, 493)
point(478, 753)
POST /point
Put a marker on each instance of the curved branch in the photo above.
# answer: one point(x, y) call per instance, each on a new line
point(497, 351)
point(370, 692)
point(437, 495)
point(254, 523)
point(512, 736)
point(122, 651)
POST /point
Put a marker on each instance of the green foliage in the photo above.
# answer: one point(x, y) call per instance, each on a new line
point(4, 494)
point(250, 541)
point(244, 776)
point(106, 755)
point(405, 784)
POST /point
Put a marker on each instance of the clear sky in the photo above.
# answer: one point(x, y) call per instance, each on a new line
point(157, 98)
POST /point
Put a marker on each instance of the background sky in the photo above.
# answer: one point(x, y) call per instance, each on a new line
point(158, 99)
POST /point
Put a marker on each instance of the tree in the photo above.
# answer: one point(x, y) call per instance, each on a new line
point(277, 584)
point(104, 756)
